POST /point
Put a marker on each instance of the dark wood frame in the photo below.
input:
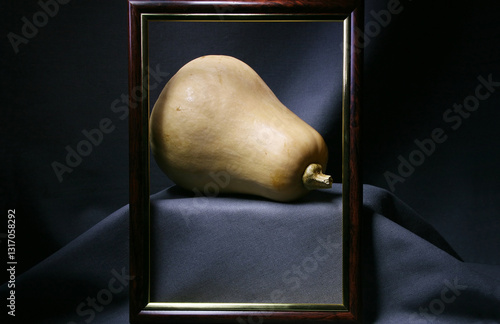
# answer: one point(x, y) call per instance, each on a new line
point(351, 11)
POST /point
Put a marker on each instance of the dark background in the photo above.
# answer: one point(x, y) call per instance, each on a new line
point(426, 59)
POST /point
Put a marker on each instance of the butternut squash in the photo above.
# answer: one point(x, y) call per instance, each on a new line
point(217, 127)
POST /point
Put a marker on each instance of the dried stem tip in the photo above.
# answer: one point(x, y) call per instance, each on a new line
point(314, 178)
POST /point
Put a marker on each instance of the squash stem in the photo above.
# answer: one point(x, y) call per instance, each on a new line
point(314, 178)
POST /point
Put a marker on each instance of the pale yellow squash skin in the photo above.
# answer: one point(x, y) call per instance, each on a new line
point(217, 127)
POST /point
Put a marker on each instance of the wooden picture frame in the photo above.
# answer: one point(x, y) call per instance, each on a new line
point(142, 310)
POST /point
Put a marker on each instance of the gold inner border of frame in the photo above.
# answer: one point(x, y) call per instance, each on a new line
point(174, 306)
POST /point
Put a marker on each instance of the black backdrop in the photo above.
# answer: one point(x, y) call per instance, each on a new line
point(63, 78)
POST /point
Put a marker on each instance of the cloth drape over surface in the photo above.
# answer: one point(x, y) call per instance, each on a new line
point(410, 273)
